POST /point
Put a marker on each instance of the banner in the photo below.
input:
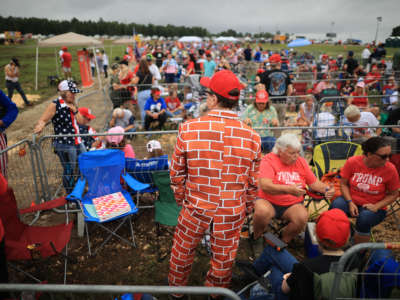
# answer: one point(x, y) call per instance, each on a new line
point(84, 66)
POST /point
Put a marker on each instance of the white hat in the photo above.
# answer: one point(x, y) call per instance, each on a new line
point(68, 85)
point(153, 145)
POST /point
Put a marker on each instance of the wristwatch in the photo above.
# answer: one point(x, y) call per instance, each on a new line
point(348, 201)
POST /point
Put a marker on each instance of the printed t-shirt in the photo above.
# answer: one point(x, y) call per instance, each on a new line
point(361, 102)
point(298, 174)
point(128, 78)
point(66, 59)
point(369, 185)
point(172, 103)
point(155, 106)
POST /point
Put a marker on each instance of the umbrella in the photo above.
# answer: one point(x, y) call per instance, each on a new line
point(299, 43)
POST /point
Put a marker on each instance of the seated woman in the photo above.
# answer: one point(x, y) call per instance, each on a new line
point(306, 111)
point(291, 279)
point(369, 183)
point(262, 114)
point(283, 178)
point(359, 97)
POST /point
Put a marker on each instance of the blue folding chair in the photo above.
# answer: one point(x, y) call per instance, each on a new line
point(102, 171)
point(142, 169)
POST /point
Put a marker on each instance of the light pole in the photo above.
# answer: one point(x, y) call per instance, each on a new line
point(378, 20)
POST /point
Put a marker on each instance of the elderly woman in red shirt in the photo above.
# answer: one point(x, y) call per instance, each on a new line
point(283, 179)
point(369, 183)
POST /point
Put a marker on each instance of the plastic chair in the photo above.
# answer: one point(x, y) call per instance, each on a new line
point(102, 170)
point(142, 169)
point(166, 209)
point(25, 242)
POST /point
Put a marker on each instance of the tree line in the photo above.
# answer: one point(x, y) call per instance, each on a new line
point(101, 27)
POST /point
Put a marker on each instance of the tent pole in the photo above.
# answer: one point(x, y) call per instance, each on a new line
point(111, 51)
point(37, 68)
point(55, 52)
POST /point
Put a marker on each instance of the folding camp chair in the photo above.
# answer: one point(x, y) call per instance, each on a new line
point(142, 169)
point(102, 171)
point(327, 157)
point(166, 209)
point(25, 242)
point(395, 206)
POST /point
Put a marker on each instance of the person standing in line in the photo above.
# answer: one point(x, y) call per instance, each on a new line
point(66, 59)
point(105, 63)
point(214, 172)
point(12, 80)
point(8, 114)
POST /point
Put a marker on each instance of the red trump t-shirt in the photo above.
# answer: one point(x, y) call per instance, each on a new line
point(298, 174)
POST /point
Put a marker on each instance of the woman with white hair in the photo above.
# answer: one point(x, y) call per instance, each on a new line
point(283, 179)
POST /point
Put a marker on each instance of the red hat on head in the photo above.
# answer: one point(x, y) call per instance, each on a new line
point(325, 56)
point(333, 228)
point(262, 97)
point(275, 58)
point(309, 91)
point(64, 48)
point(222, 83)
point(86, 112)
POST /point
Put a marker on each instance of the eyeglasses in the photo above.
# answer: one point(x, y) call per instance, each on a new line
point(208, 92)
point(383, 156)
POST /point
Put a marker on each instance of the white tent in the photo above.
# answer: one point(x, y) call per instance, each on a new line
point(226, 39)
point(124, 41)
point(66, 39)
point(186, 39)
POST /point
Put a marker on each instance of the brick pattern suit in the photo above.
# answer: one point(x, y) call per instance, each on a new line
point(214, 174)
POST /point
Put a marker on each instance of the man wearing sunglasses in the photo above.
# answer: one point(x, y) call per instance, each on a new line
point(214, 178)
point(369, 184)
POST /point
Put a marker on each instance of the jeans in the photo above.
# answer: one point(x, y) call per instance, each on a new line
point(280, 263)
point(169, 77)
point(267, 143)
point(11, 86)
point(142, 98)
point(161, 120)
point(68, 155)
point(174, 114)
point(366, 219)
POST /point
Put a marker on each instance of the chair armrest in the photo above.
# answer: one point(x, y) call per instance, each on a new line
point(76, 194)
point(134, 184)
point(44, 206)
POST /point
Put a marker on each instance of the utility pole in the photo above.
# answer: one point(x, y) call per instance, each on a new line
point(378, 20)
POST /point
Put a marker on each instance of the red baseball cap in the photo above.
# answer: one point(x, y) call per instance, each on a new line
point(309, 91)
point(222, 83)
point(325, 56)
point(333, 228)
point(262, 97)
point(275, 58)
point(64, 48)
point(86, 112)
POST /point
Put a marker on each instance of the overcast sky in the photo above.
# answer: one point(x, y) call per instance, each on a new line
point(352, 18)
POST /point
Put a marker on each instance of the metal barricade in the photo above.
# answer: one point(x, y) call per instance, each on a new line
point(373, 282)
point(109, 291)
point(22, 171)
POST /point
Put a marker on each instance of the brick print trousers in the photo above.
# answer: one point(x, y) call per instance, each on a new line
point(225, 235)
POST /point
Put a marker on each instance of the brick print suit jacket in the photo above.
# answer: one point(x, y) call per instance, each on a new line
point(215, 164)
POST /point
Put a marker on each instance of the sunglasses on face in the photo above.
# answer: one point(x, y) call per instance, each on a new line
point(383, 156)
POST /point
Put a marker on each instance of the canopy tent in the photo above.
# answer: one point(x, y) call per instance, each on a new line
point(66, 39)
point(70, 39)
point(299, 43)
point(226, 39)
point(187, 39)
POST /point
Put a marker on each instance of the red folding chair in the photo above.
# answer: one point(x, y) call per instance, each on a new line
point(25, 242)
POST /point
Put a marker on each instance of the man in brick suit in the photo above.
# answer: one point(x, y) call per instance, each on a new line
point(214, 173)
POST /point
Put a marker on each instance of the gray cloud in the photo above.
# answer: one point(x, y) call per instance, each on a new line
point(351, 17)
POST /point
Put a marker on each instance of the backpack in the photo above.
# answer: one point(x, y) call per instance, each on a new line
point(333, 179)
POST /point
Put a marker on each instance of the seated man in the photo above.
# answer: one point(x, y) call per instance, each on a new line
point(283, 178)
point(293, 280)
point(124, 118)
point(155, 109)
point(354, 117)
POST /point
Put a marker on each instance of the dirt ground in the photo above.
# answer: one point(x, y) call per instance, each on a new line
point(118, 263)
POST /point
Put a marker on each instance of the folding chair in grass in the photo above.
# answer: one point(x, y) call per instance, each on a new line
point(142, 169)
point(166, 209)
point(24, 242)
point(328, 157)
point(106, 200)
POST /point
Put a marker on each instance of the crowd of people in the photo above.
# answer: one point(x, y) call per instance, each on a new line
point(218, 174)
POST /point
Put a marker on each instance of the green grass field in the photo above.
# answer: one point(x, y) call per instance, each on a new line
point(48, 60)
